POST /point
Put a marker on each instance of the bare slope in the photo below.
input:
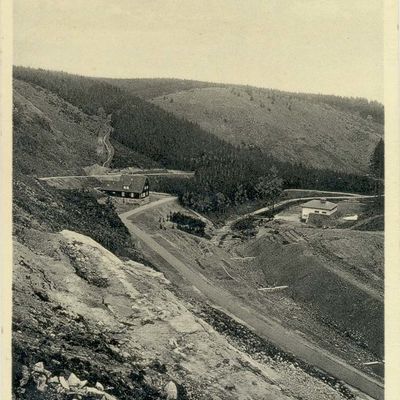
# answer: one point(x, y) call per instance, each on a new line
point(290, 128)
point(337, 274)
point(118, 323)
point(328, 320)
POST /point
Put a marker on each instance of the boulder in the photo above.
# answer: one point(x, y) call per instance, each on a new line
point(171, 391)
point(64, 383)
point(38, 367)
point(73, 380)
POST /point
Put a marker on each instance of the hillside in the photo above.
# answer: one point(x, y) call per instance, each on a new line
point(145, 135)
point(51, 135)
point(150, 88)
point(291, 128)
point(54, 137)
point(117, 329)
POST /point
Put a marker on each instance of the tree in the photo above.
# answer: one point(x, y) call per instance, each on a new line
point(377, 162)
point(240, 195)
point(377, 170)
point(269, 187)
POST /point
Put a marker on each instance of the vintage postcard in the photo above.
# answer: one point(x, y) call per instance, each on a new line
point(200, 199)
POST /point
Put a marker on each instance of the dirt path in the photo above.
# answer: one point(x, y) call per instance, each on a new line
point(124, 216)
point(113, 175)
point(103, 141)
point(323, 192)
point(107, 144)
point(263, 326)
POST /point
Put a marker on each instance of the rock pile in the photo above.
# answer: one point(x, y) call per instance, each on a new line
point(37, 380)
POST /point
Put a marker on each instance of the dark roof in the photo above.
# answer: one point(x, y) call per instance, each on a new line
point(319, 204)
point(135, 184)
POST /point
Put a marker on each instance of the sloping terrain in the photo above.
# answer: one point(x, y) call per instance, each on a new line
point(150, 88)
point(54, 137)
point(50, 135)
point(290, 128)
point(336, 274)
point(332, 299)
point(119, 324)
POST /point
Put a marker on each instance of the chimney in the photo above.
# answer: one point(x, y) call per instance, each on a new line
point(323, 200)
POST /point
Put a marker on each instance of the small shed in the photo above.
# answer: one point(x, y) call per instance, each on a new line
point(128, 189)
point(317, 206)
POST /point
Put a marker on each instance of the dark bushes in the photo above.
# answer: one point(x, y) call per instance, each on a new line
point(189, 224)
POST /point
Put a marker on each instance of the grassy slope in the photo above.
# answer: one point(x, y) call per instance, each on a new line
point(291, 129)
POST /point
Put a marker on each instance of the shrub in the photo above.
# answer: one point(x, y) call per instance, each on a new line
point(189, 224)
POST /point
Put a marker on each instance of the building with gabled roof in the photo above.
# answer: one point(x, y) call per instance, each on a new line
point(128, 189)
point(317, 206)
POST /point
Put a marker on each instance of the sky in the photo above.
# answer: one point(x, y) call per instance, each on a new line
point(316, 46)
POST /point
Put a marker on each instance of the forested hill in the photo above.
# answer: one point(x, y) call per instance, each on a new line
point(155, 87)
point(225, 173)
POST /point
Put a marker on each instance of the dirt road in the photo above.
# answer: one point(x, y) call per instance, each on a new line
point(103, 140)
point(262, 326)
point(109, 147)
point(117, 175)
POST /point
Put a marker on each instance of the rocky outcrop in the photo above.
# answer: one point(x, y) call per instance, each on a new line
point(129, 338)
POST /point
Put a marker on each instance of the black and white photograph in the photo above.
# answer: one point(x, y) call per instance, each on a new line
point(198, 200)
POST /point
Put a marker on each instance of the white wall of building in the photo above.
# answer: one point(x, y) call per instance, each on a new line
point(306, 211)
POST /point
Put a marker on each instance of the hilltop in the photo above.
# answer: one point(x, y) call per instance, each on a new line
point(150, 88)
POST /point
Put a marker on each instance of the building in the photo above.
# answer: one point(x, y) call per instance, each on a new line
point(128, 189)
point(320, 206)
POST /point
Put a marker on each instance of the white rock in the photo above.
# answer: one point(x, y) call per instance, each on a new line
point(64, 382)
point(38, 367)
point(171, 391)
point(99, 386)
point(73, 380)
point(94, 391)
point(83, 383)
point(54, 379)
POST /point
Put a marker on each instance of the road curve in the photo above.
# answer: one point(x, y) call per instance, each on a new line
point(264, 327)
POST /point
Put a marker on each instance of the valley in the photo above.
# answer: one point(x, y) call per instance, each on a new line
point(212, 287)
point(230, 285)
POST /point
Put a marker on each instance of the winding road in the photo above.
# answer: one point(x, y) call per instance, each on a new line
point(263, 326)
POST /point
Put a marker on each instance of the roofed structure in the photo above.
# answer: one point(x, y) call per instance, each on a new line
point(128, 187)
point(317, 206)
point(320, 204)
